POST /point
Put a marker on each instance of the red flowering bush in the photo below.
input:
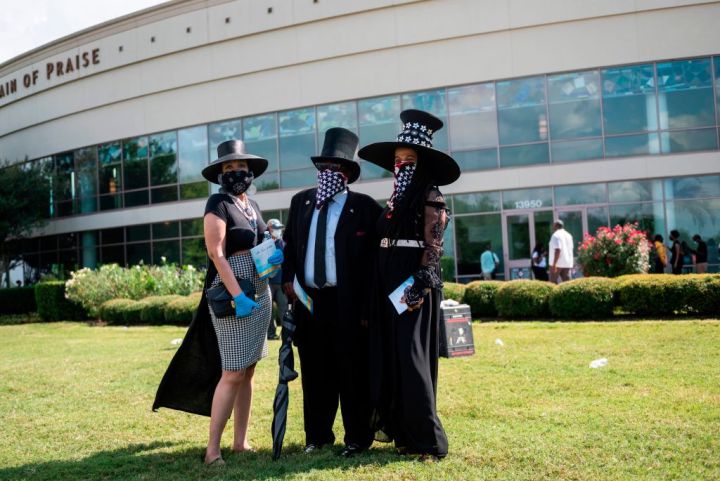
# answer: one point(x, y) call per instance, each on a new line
point(614, 252)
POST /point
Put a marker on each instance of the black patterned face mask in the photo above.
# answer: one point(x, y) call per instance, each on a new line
point(403, 176)
point(236, 182)
point(329, 183)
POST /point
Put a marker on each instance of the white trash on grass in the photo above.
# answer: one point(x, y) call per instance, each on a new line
point(176, 342)
point(499, 342)
point(598, 363)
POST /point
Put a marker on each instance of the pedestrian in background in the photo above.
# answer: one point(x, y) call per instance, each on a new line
point(677, 259)
point(561, 253)
point(489, 263)
point(275, 228)
point(701, 255)
point(539, 262)
point(661, 258)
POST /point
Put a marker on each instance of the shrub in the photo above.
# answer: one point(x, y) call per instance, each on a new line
point(52, 304)
point(92, 288)
point(17, 300)
point(153, 309)
point(523, 299)
point(132, 313)
point(480, 296)
point(586, 298)
point(113, 311)
point(453, 290)
point(612, 253)
point(181, 311)
point(702, 295)
point(666, 295)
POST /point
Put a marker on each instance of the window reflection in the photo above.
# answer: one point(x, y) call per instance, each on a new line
point(580, 194)
point(297, 138)
point(86, 163)
point(476, 202)
point(135, 163)
point(163, 161)
point(473, 121)
point(685, 94)
point(635, 190)
point(522, 115)
point(574, 105)
point(192, 153)
point(260, 136)
point(219, 132)
point(379, 121)
point(650, 217)
point(629, 101)
point(692, 187)
point(336, 115)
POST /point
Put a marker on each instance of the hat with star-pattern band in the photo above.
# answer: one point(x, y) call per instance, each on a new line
point(418, 128)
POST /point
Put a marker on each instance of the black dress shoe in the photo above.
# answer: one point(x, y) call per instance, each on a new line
point(311, 448)
point(351, 450)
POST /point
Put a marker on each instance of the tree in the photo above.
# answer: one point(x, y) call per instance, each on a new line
point(24, 200)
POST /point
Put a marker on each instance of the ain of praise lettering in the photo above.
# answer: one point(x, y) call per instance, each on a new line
point(73, 63)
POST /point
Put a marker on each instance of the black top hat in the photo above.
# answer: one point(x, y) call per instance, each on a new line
point(339, 147)
point(418, 128)
point(234, 150)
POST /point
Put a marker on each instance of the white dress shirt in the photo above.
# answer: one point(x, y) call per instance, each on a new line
point(335, 208)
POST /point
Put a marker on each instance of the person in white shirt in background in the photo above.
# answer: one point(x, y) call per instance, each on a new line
point(560, 253)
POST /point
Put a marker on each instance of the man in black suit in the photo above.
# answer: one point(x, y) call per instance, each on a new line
point(330, 243)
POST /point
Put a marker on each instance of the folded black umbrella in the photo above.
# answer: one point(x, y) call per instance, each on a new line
point(286, 360)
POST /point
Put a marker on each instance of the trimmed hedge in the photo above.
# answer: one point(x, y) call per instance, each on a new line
point(114, 311)
point(585, 298)
point(480, 296)
point(181, 311)
point(454, 291)
point(17, 300)
point(668, 295)
point(523, 298)
point(153, 308)
point(52, 304)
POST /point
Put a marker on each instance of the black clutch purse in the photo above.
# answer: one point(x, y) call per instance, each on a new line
point(222, 303)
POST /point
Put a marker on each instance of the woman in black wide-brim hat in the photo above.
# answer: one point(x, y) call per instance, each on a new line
point(405, 346)
point(212, 372)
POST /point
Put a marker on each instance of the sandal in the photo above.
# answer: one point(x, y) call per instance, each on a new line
point(219, 461)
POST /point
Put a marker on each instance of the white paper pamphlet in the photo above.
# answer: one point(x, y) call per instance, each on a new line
point(260, 254)
point(398, 293)
point(302, 295)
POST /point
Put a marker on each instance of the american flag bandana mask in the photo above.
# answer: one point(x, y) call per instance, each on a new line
point(329, 183)
point(403, 176)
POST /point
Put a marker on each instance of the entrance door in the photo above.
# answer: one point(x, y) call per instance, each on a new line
point(521, 231)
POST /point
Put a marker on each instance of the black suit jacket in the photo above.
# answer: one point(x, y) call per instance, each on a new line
point(356, 243)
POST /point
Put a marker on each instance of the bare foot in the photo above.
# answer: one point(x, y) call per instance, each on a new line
point(244, 449)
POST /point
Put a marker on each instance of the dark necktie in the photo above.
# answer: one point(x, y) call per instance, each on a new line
point(320, 276)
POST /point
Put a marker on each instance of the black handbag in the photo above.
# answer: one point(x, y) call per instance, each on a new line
point(221, 301)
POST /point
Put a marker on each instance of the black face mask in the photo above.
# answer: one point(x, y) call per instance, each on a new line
point(236, 182)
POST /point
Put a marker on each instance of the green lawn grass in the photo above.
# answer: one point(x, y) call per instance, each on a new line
point(75, 404)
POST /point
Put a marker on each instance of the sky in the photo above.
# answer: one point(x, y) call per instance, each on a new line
point(26, 24)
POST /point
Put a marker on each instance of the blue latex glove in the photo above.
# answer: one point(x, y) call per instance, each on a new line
point(276, 258)
point(244, 305)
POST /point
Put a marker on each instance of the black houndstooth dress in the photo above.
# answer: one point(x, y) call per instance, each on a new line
point(242, 340)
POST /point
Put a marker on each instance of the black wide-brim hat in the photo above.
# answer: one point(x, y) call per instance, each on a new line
point(339, 147)
point(234, 150)
point(417, 131)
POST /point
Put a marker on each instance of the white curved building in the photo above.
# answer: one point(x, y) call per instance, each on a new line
point(597, 112)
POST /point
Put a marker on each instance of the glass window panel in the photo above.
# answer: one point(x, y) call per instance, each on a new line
point(580, 194)
point(268, 181)
point(476, 202)
point(113, 255)
point(109, 202)
point(166, 252)
point(336, 115)
point(137, 233)
point(164, 194)
point(518, 233)
point(192, 153)
point(48, 243)
point(135, 173)
point(477, 159)
point(196, 190)
point(473, 120)
point(629, 101)
point(192, 227)
point(137, 148)
point(369, 171)
point(522, 115)
point(696, 217)
point(472, 233)
point(692, 187)
point(297, 138)
point(110, 181)
point(86, 163)
point(68, 241)
point(716, 61)
point(109, 154)
point(630, 145)
point(573, 224)
point(432, 101)
point(543, 221)
point(524, 155)
point(597, 217)
point(574, 105)
point(575, 150)
point(298, 178)
point(136, 198)
point(165, 230)
point(527, 198)
point(194, 253)
point(685, 94)
point(447, 262)
point(65, 176)
point(260, 136)
point(649, 216)
point(138, 254)
point(112, 236)
point(163, 161)
point(635, 190)
point(379, 119)
point(689, 140)
point(219, 132)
